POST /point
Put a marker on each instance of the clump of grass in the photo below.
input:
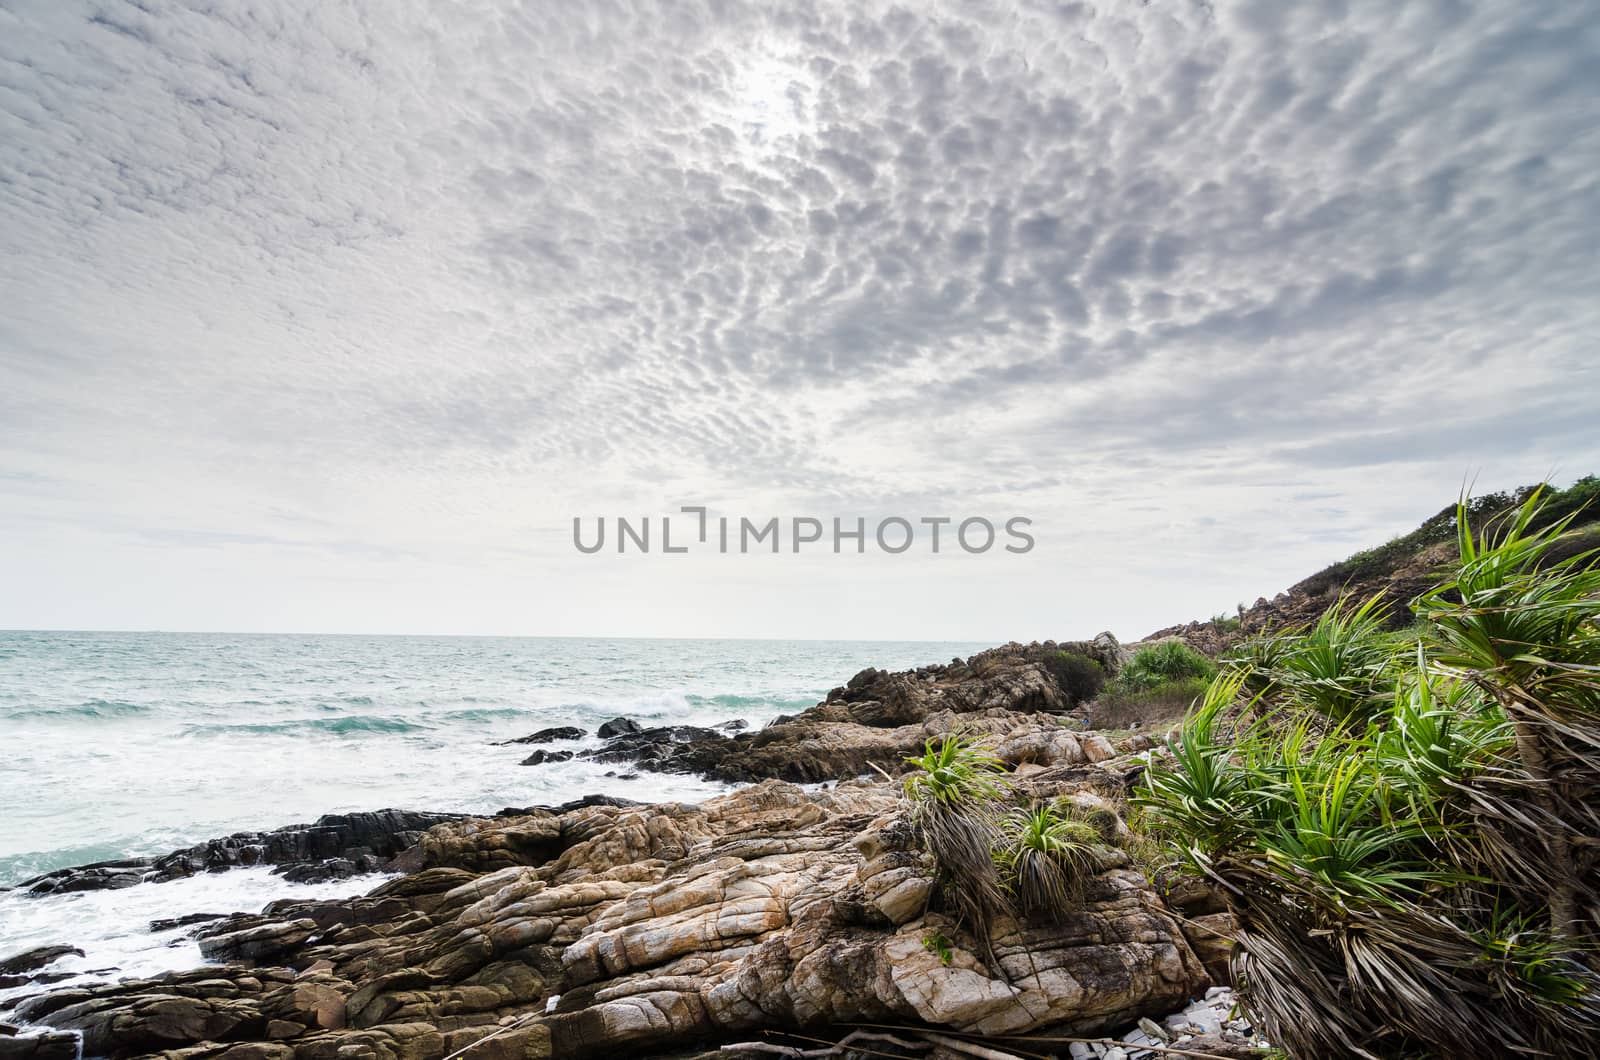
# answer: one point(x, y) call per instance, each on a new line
point(1404, 826)
point(1163, 663)
point(1044, 858)
point(1340, 667)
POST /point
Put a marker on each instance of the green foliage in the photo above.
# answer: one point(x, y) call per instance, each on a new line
point(997, 859)
point(937, 942)
point(1339, 667)
point(1155, 686)
point(1078, 675)
point(1044, 857)
point(1404, 825)
point(955, 770)
point(1118, 708)
point(1163, 663)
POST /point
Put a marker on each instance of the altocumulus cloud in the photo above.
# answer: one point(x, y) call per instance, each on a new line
point(405, 285)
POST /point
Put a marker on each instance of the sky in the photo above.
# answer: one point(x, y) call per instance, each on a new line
point(332, 316)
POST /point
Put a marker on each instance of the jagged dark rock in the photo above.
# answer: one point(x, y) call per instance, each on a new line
point(52, 1045)
point(37, 958)
point(189, 920)
point(561, 732)
point(617, 727)
point(540, 757)
point(648, 747)
point(380, 834)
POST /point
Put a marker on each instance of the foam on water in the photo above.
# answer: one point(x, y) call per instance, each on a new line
point(113, 927)
point(115, 745)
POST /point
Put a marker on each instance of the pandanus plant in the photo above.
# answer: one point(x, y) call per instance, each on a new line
point(1409, 838)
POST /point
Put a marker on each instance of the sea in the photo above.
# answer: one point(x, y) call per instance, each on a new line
point(117, 745)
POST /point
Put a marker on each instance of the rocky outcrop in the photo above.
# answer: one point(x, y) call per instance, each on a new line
point(873, 721)
point(364, 839)
point(606, 930)
point(560, 732)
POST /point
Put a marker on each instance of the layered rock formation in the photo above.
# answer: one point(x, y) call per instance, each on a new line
point(637, 929)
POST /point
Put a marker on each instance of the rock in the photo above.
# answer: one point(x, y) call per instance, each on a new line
point(188, 920)
point(877, 718)
point(258, 943)
point(382, 834)
point(610, 930)
point(34, 959)
point(332, 869)
point(560, 732)
point(1211, 938)
point(648, 747)
point(52, 1045)
point(617, 727)
point(539, 758)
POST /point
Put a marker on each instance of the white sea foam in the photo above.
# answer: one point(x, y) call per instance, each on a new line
point(113, 927)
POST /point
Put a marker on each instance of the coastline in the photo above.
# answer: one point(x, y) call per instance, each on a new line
point(604, 924)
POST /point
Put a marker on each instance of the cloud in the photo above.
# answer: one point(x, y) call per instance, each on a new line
point(427, 274)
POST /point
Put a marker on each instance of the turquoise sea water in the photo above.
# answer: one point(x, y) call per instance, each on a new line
point(117, 744)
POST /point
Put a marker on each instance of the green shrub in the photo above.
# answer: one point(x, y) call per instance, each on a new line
point(1163, 663)
point(1079, 676)
point(955, 789)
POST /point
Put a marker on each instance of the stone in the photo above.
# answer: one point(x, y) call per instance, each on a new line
point(540, 757)
point(560, 732)
point(52, 1045)
point(617, 727)
point(37, 958)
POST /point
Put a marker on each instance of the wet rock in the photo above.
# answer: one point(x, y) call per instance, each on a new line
point(617, 727)
point(561, 732)
point(539, 758)
point(35, 959)
point(648, 747)
point(52, 1045)
point(332, 869)
point(188, 920)
point(382, 834)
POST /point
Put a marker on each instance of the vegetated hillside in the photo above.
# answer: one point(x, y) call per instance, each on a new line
point(1400, 569)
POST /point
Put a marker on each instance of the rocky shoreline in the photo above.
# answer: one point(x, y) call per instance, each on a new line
point(604, 927)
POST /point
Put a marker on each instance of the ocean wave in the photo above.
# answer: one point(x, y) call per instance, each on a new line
point(93, 708)
point(783, 704)
point(485, 713)
point(350, 725)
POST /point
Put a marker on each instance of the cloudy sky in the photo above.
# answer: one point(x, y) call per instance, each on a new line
point(331, 316)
